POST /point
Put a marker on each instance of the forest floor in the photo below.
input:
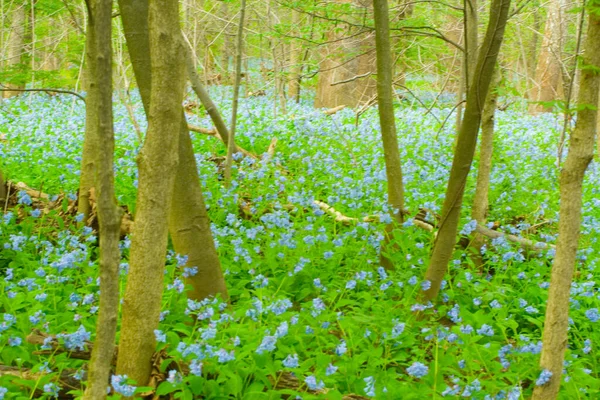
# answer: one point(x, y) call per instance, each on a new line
point(312, 315)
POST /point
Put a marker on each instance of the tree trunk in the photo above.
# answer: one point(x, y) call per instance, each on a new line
point(548, 73)
point(581, 152)
point(387, 121)
point(189, 224)
point(346, 68)
point(16, 43)
point(157, 164)
point(109, 215)
point(295, 61)
point(236, 94)
point(486, 150)
point(465, 147)
point(90, 140)
point(470, 38)
point(2, 188)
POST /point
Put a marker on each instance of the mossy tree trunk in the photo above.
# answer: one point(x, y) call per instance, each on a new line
point(465, 148)
point(387, 120)
point(581, 153)
point(157, 164)
point(109, 214)
point(189, 224)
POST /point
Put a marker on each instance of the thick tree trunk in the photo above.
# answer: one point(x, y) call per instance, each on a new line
point(90, 140)
point(157, 164)
point(465, 147)
point(581, 152)
point(548, 73)
point(189, 224)
point(16, 43)
point(236, 93)
point(109, 214)
point(387, 121)
point(346, 68)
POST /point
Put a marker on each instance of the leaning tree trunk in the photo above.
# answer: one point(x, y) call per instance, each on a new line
point(109, 216)
point(387, 121)
point(236, 94)
point(465, 147)
point(16, 42)
point(189, 224)
point(157, 164)
point(581, 152)
point(548, 73)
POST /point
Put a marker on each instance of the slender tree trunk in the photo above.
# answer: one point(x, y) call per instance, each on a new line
point(470, 38)
point(465, 147)
point(295, 61)
point(236, 93)
point(226, 49)
point(548, 73)
point(189, 224)
point(157, 163)
point(486, 150)
point(109, 215)
point(90, 140)
point(387, 120)
point(16, 42)
point(581, 152)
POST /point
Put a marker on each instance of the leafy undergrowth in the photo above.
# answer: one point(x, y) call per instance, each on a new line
point(311, 315)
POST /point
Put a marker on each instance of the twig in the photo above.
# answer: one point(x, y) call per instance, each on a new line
point(351, 79)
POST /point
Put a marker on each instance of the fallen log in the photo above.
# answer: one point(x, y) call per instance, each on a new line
point(527, 244)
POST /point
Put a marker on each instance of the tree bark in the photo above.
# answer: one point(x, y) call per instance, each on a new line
point(189, 224)
point(581, 152)
point(157, 165)
point(16, 43)
point(236, 93)
point(90, 140)
point(109, 214)
point(387, 121)
point(465, 148)
point(548, 74)
point(470, 38)
point(486, 150)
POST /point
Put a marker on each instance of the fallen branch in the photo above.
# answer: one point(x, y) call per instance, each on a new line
point(36, 194)
point(204, 131)
point(333, 110)
point(44, 90)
